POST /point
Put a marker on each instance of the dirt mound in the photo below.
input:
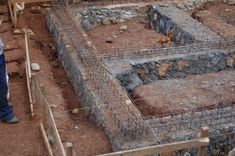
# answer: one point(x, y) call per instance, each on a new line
point(149, 101)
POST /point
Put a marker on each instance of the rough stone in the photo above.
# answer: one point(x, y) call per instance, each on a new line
point(232, 153)
point(129, 80)
point(123, 28)
point(45, 5)
point(87, 24)
point(183, 64)
point(163, 68)
point(142, 9)
point(113, 19)
point(231, 61)
point(75, 111)
point(105, 16)
point(106, 21)
point(17, 32)
point(182, 25)
point(35, 9)
point(109, 40)
point(85, 12)
point(119, 20)
point(35, 66)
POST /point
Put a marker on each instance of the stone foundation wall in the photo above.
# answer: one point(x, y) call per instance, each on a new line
point(148, 72)
point(222, 140)
point(121, 136)
point(184, 28)
point(92, 17)
point(75, 73)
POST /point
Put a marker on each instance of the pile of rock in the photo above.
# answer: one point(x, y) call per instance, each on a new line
point(191, 4)
point(92, 17)
point(229, 2)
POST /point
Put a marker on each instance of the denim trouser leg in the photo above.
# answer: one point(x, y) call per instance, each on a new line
point(5, 110)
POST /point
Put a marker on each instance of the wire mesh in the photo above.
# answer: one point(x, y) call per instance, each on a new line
point(125, 117)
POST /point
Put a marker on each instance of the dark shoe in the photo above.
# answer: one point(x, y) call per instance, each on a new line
point(14, 120)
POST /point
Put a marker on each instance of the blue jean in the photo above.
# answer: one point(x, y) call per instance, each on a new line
point(5, 109)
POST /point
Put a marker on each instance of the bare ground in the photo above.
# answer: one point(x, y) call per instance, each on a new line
point(219, 17)
point(87, 138)
point(224, 11)
point(136, 35)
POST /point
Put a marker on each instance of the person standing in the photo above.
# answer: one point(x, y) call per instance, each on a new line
point(6, 113)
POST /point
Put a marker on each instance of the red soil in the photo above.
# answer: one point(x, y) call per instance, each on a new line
point(87, 138)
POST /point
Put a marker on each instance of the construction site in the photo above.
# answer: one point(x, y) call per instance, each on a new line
point(120, 78)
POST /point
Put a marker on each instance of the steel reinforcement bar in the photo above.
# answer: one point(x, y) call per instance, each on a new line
point(125, 116)
point(193, 48)
point(193, 119)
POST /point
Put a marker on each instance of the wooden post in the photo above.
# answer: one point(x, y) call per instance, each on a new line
point(204, 134)
point(14, 14)
point(44, 107)
point(11, 12)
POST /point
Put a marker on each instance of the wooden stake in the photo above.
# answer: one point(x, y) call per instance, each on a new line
point(44, 107)
point(14, 14)
point(28, 73)
point(29, 90)
point(11, 12)
point(33, 87)
point(45, 139)
point(161, 149)
point(204, 133)
point(56, 133)
point(27, 51)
